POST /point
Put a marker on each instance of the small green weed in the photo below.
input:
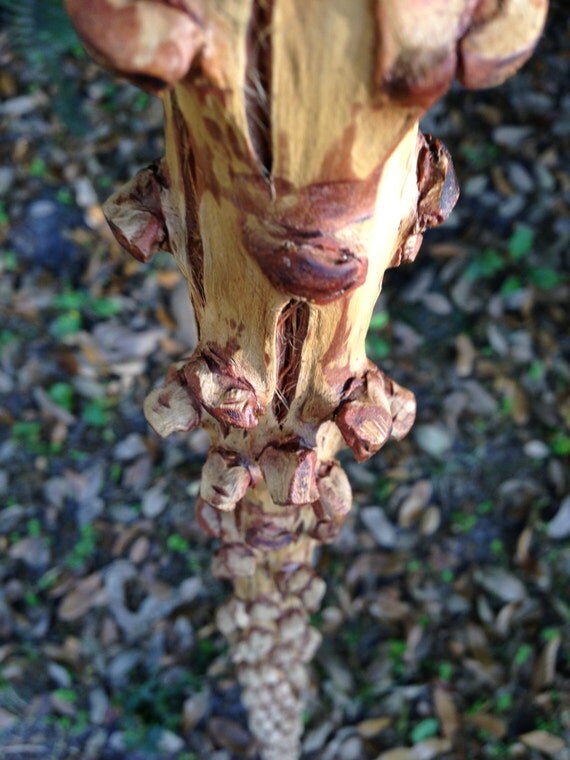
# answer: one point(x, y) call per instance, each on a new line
point(62, 394)
point(425, 729)
point(84, 549)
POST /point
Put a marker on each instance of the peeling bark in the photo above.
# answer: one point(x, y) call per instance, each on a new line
point(294, 175)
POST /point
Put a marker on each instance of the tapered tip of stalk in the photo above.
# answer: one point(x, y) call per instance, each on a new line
point(271, 642)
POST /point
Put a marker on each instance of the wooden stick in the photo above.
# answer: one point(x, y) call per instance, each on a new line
point(294, 176)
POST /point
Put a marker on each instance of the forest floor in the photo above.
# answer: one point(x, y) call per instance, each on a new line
point(447, 617)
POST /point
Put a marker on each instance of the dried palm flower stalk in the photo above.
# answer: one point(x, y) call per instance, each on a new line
point(294, 176)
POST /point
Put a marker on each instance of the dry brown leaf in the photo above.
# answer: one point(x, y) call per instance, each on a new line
point(79, 600)
point(398, 753)
point(497, 727)
point(373, 726)
point(544, 742)
point(387, 605)
point(506, 586)
point(559, 526)
point(426, 750)
point(545, 668)
point(431, 748)
point(414, 503)
point(446, 712)
point(524, 543)
point(466, 354)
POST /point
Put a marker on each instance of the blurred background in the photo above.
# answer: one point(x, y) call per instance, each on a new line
point(447, 615)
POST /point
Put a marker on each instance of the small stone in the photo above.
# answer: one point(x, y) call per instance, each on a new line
point(33, 551)
point(433, 439)
point(154, 501)
point(559, 527)
point(98, 706)
point(382, 530)
point(139, 550)
point(194, 709)
point(536, 449)
point(170, 742)
point(130, 448)
point(431, 521)
point(352, 748)
point(506, 586)
point(511, 136)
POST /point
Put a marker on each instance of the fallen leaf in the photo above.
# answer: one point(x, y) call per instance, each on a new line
point(381, 529)
point(544, 742)
point(559, 527)
point(466, 354)
point(545, 668)
point(85, 595)
point(497, 727)
point(506, 586)
point(446, 711)
point(414, 503)
point(373, 726)
point(398, 753)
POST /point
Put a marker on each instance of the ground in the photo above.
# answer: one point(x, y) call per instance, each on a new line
point(447, 618)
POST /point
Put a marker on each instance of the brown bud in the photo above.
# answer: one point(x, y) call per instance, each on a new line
point(495, 48)
point(437, 184)
point(227, 397)
point(263, 610)
point(209, 518)
point(376, 409)
point(171, 409)
point(234, 561)
point(335, 493)
point(302, 582)
point(438, 192)
point(148, 42)
point(255, 644)
point(134, 214)
point(309, 644)
point(417, 48)
point(292, 625)
point(333, 504)
point(306, 264)
point(232, 616)
point(289, 473)
point(224, 479)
